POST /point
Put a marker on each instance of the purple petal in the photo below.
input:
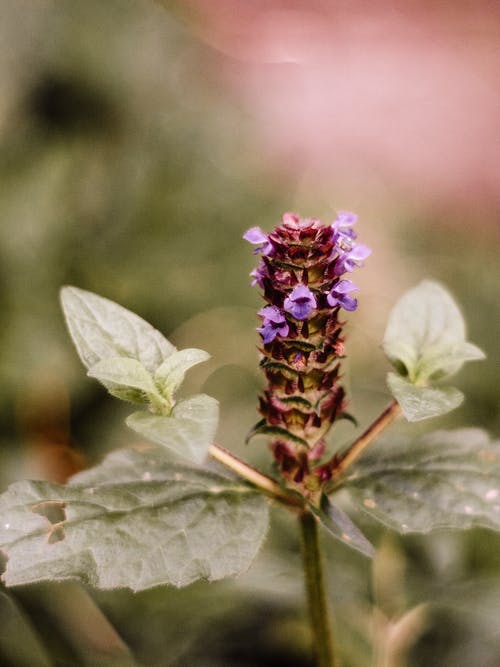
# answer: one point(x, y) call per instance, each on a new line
point(359, 252)
point(346, 219)
point(302, 292)
point(259, 274)
point(255, 235)
point(272, 314)
point(339, 295)
point(348, 302)
point(300, 302)
point(274, 324)
point(300, 311)
point(344, 286)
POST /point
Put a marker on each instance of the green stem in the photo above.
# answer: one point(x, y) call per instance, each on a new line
point(266, 484)
point(316, 594)
point(392, 411)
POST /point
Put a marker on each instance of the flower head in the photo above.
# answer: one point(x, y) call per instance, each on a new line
point(300, 302)
point(300, 275)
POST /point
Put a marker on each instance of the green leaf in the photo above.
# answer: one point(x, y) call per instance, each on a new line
point(127, 379)
point(338, 524)
point(188, 431)
point(446, 479)
point(134, 521)
point(101, 329)
point(420, 403)
point(425, 335)
point(170, 374)
point(262, 428)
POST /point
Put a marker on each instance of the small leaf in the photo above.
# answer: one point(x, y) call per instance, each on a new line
point(296, 401)
point(420, 403)
point(425, 335)
point(446, 479)
point(170, 374)
point(101, 329)
point(262, 428)
point(126, 379)
point(286, 371)
point(338, 524)
point(348, 417)
point(188, 431)
point(134, 521)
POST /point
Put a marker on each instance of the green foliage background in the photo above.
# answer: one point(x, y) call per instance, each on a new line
point(127, 169)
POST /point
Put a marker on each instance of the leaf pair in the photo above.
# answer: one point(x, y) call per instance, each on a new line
point(425, 341)
point(138, 519)
point(136, 363)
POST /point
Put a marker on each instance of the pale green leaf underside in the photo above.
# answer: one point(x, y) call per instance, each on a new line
point(135, 521)
point(339, 524)
point(170, 374)
point(446, 479)
point(426, 334)
point(420, 403)
point(101, 329)
point(188, 431)
point(127, 379)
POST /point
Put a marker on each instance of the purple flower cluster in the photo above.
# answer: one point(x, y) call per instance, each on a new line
point(301, 272)
point(300, 302)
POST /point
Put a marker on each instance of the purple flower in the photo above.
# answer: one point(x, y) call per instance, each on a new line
point(273, 324)
point(300, 302)
point(342, 226)
point(339, 295)
point(343, 236)
point(345, 219)
point(259, 274)
point(255, 235)
point(350, 257)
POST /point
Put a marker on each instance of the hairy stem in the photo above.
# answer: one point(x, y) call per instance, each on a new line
point(255, 477)
point(315, 587)
point(392, 411)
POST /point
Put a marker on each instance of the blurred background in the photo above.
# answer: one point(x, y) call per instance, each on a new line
point(138, 141)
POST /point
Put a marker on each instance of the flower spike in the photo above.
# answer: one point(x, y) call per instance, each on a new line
point(302, 343)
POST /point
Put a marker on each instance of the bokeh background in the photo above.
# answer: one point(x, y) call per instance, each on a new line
point(138, 141)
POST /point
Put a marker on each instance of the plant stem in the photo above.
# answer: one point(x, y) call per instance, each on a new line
point(392, 411)
point(315, 587)
point(255, 477)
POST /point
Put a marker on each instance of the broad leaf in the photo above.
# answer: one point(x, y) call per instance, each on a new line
point(134, 521)
point(188, 431)
point(425, 334)
point(338, 524)
point(101, 329)
point(170, 374)
point(127, 379)
point(420, 403)
point(446, 479)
